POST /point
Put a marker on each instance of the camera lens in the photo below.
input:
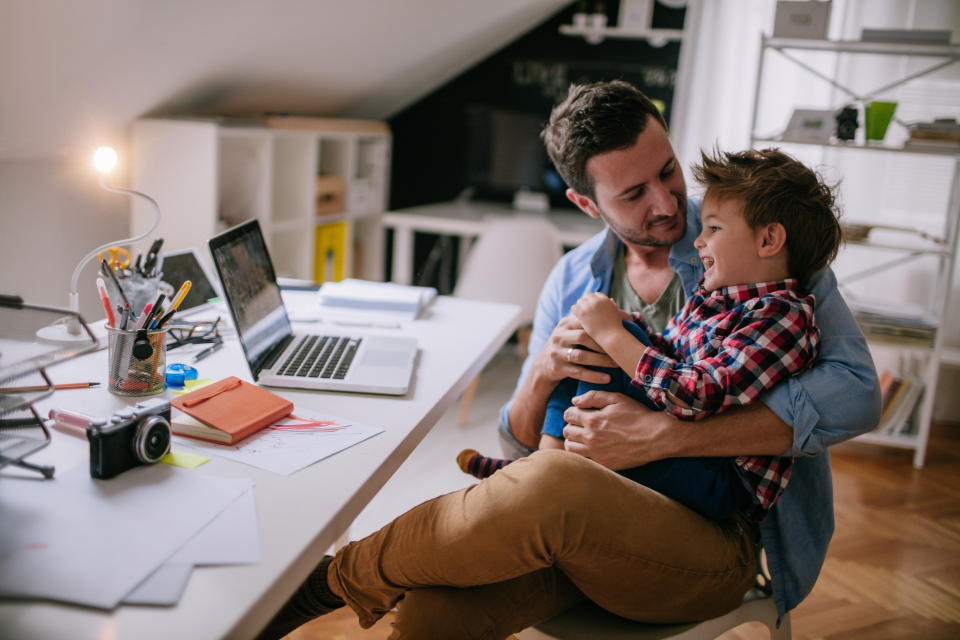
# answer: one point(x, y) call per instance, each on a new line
point(152, 440)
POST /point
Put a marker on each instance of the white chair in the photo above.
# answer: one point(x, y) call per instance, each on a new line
point(509, 263)
point(590, 622)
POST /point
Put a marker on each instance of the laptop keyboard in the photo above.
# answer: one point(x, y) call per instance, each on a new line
point(321, 357)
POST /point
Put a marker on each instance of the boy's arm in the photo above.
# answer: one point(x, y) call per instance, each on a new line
point(773, 339)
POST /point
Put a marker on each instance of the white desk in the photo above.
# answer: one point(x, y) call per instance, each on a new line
point(466, 220)
point(300, 515)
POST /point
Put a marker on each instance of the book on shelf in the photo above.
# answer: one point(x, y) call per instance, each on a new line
point(905, 323)
point(899, 399)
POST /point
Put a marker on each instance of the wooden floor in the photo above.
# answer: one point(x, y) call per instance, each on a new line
point(893, 569)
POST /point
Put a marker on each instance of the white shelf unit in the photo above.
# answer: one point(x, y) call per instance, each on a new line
point(208, 175)
point(919, 359)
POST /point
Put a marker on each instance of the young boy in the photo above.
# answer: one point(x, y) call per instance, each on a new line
point(769, 224)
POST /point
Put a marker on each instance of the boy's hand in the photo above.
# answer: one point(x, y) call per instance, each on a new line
point(598, 314)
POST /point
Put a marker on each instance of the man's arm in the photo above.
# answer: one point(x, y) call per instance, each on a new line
point(837, 399)
point(620, 432)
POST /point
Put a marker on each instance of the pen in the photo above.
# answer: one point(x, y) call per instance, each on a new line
point(155, 312)
point(105, 299)
point(206, 352)
point(181, 294)
point(145, 316)
point(42, 387)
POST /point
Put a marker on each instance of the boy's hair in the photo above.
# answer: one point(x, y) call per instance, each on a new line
point(593, 119)
point(774, 187)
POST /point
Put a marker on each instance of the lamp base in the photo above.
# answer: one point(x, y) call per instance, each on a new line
point(57, 333)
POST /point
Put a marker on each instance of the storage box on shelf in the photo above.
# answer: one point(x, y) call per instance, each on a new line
point(915, 336)
point(299, 176)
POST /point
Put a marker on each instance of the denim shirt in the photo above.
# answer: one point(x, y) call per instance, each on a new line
point(837, 399)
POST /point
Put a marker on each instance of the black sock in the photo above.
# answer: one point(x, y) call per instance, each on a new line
point(311, 600)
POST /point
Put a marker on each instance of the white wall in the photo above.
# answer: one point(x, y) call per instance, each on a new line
point(52, 212)
point(74, 75)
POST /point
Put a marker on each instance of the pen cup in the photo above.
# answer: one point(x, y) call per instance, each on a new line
point(137, 361)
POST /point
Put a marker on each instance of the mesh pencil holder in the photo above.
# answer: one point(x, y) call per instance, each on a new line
point(137, 361)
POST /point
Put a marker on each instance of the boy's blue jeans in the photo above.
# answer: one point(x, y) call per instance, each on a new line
point(709, 486)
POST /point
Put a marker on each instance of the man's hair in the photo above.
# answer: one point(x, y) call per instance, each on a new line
point(774, 187)
point(593, 119)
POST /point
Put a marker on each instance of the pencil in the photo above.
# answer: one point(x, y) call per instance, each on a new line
point(43, 387)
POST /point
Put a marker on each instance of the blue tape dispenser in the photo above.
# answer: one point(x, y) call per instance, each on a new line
point(178, 374)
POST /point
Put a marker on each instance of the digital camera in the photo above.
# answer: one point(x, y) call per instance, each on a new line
point(130, 437)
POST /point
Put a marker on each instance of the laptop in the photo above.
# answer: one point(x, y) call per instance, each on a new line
point(186, 264)
point(278, 356)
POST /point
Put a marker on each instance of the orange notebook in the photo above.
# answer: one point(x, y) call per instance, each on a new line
point(228, 411)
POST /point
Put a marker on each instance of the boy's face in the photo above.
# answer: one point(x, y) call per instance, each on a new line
point(639, 191)
point(729, 248)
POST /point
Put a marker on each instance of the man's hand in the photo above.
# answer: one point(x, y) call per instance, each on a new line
point(568, 353)
point(619, 432)
point(613, 430)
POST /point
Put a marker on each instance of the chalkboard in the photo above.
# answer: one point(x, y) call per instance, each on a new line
point(481, 129)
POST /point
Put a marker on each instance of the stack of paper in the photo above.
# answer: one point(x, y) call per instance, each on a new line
point(130, 539)
point(376, 296)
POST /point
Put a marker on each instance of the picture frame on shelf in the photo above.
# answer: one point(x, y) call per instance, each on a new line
point(810, 125)
point(807, 19)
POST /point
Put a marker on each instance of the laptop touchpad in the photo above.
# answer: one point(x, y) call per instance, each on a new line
point(385, 358)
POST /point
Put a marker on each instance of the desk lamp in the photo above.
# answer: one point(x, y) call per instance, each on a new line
point(104, 160)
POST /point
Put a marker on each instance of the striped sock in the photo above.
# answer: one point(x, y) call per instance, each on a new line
point(477, 465)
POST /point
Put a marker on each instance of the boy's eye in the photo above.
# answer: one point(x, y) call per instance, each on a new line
point(668, 170)
point(714, 227)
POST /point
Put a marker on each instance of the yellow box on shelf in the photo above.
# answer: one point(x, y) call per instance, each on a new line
point(330, 252)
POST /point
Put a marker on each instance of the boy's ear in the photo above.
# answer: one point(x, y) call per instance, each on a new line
point(584, 203)
point(772, 238)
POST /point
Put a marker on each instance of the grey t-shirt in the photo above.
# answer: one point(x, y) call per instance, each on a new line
point(658, 314)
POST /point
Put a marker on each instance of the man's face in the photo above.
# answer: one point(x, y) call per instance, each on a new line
point(639, 191)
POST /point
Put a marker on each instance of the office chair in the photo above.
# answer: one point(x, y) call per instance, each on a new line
point(509, 262)
point(589, 622)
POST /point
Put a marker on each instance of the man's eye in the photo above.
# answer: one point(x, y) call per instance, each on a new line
point(636, 195)
point(668, 170)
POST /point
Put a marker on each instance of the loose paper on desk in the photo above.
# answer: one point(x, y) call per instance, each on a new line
point(290, 444)
point(376, 296)
point(232, 538)
point(91, 542)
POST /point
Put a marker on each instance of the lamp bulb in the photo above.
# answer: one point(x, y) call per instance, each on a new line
point(105, 159)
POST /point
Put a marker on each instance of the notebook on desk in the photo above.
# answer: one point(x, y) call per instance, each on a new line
point(280, 357)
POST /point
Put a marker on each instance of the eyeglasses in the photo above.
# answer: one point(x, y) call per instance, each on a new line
point(194, 333)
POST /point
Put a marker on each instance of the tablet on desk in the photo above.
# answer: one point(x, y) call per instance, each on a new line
point(187, 264)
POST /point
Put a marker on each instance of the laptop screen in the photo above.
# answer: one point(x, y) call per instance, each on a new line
point(250, 286)
point(179, 266)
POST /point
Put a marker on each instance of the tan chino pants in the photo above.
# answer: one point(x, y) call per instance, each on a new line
point(535, 538)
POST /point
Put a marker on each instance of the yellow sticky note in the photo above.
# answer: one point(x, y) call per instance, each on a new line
point(184, 459)
point(191, 385)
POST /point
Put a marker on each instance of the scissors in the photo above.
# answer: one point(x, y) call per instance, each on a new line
point(119, 258)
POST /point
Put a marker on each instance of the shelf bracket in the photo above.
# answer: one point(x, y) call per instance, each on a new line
point(866, 96)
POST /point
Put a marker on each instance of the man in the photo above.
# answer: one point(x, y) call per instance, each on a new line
point(639, 191)
point(555, 528)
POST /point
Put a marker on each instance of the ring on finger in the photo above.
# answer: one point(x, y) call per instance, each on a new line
point(570, 354)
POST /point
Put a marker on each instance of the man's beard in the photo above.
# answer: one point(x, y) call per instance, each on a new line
point(643, 239)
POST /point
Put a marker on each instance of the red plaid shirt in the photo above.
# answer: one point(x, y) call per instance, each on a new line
point(723, 349)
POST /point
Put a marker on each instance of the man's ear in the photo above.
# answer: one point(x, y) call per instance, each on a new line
point(772, 239)
point(584, 203)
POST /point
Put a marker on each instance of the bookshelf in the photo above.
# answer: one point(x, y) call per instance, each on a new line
point(912, 333)
point(309, 181)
